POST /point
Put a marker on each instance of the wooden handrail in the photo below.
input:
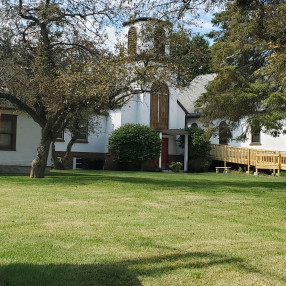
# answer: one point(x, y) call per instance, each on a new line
point(258, 158)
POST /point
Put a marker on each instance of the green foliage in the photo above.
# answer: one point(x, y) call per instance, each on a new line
point(249, 57)
point(50, 68)
point(191, 54)
point(176, 166)
point(241, 169)
point(199, 148)
point(132, 144)
point(199, 144)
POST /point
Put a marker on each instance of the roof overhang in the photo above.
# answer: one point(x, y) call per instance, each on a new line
point(173, 131)
point(194, 115)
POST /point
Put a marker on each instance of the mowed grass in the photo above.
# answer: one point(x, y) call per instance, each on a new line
point(128, 228)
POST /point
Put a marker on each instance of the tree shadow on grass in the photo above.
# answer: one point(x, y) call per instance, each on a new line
point(124, 273)
point(187, 182)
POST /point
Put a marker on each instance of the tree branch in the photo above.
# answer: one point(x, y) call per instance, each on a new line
point(75, 45)
point(23, 106)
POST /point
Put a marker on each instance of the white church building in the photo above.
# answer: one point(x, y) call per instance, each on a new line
point(163, 108)
point(254, 140)
point(160, 108)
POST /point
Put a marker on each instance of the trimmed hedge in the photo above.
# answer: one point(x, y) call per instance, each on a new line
point(133, 144)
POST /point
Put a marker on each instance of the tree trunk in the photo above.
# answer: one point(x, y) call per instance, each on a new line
point(58, 164)
point(40, 162)
point(63, 163)
point(65, 159)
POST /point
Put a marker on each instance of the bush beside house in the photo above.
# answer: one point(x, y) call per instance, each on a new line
point(133, 144)
point(199, 149)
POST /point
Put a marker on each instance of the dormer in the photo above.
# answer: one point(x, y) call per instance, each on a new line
point(147, 36)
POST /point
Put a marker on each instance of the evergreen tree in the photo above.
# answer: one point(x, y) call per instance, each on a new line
point(191, 56)
point(249, 58)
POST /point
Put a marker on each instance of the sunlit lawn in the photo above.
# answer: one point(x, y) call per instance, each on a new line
point(124, 228)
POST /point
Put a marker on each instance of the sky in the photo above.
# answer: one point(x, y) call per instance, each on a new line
point(203, 26)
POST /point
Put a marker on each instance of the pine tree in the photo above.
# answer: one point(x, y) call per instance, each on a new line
point(249, 58)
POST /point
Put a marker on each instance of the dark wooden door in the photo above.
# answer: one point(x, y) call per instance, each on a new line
point(159, 106)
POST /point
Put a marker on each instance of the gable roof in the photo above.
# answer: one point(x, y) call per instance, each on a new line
point(187, 96)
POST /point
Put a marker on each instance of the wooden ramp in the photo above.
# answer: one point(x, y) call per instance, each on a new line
point(260, 159)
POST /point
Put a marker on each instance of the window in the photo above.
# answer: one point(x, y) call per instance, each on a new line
point(159, 41)
point(255, 136)
point(82, 133)
point(8, 132)
point(78, 163)
point(224, 133)
point(194, 125)
point(60, 137)
point(132, 41)
point(81, 137)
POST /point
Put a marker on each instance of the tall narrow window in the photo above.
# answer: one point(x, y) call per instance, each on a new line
point(255, 136)
point(159, 41)
point(224, 133)
point(82, 133)
point(159, 106)
point(8, 132)
point(132, 41)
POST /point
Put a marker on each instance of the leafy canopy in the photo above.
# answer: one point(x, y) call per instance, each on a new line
point(249, 58)
point(191, 55)
point(54, 60)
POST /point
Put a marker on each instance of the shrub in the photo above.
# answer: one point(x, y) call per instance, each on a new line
point(133, 144)
point(199, 149)
point(241, 169)
point(176, 166)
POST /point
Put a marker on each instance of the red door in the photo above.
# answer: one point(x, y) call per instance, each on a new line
point(164, 154)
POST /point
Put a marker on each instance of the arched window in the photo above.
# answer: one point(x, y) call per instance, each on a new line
point(132, 41)
point(194, 125)
point(224, 133)
point(159, 106)
point(159, 40)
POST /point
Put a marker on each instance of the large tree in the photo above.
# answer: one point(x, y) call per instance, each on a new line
point(54, 62)
point(249, 57)
point(191, 55)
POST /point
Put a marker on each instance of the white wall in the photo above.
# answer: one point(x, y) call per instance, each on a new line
point(143, 108)
point(137, 111)
point(180, 118)
point(96, 140)
point(129, 111)
point(267, 141)
point(28, 136)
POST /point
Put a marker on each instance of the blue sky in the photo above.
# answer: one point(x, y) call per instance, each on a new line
point(203, 26)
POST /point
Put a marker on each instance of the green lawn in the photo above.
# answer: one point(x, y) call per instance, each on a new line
point(124, 228)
